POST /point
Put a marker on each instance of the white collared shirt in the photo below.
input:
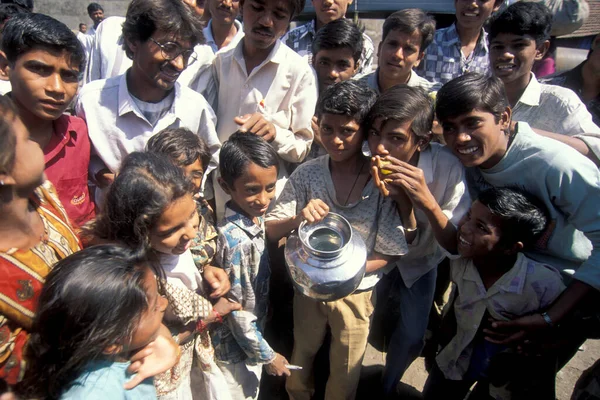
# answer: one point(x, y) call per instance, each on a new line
point(445, 178)
point(559, 110)
point(117, 127)
point(210, 40)
point(108, 59)
point(527, 287)
point(283, 88)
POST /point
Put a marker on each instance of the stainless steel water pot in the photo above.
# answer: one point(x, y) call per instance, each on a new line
point(326, 261)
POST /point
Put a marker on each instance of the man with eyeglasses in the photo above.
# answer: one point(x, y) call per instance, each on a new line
point(123, 112)
point(107, 57)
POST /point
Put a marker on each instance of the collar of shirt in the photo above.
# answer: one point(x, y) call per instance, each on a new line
point(243, 222)
point(62, 133)
point(451, 37)
point(126, 104)
point(373, 80)
point(210, 39)
point(511, 282)
point(531, 95)
point(275, 56)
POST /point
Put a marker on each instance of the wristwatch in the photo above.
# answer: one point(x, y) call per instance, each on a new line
point(547, 319)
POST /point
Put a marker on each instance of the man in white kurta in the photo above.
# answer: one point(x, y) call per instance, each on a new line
point(280, 91)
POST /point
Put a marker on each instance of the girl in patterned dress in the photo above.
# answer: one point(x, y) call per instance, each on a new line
point(150, 206)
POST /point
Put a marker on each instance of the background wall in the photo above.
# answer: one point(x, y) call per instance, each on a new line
point(73, 12)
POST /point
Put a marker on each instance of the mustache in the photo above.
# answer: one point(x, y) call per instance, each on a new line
point(264, 30)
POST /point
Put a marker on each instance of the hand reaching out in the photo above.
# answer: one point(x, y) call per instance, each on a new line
point(158, 356)
point(217, 279)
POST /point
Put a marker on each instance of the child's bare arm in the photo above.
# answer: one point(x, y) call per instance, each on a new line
point(377, 261)
point(314, 211)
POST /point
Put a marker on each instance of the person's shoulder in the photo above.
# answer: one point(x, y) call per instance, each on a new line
point(188, 94)
point(226, 53)
point(458, 267)
point(367, 41)
point(534, 148)
point(309, 168)
point(110, 23)
point(98, 382)
point(365, 77)
point(292, 59)
point(555, 79)
point(536, 271)
point(232, 236)
point(94, 88)
point(442, 35)
point(564, 97)
point(296, 33)
point(443, 158)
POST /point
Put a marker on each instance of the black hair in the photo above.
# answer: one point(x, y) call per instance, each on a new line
point(242, 149)
point(404, 103)
point(144, 17)
point(296, 7)
point(27, 5)
point(91, 300)
point(350, 98)
point(524, 217)
point(8, 10)
point(27, 31)
point(92, 7)
point(409, 21)
point(341, 33)
point(182, 146)
point(82, 24)
point(469, 92)
point(8, 140)
point(523, 18)
point(146, 185)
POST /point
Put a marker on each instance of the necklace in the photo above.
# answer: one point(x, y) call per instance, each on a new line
point(355, 181)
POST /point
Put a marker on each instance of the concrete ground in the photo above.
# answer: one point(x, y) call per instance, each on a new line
point(415, 376)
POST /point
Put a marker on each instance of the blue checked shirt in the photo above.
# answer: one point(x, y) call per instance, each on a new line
point(242, 254)
point(300, 40)
point(444, 61)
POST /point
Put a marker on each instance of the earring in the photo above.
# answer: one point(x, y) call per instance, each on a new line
point(1, 182)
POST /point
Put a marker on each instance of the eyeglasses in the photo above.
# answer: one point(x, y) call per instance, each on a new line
point(172, 50)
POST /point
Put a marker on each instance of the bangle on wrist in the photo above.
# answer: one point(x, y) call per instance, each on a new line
point(409, 230)
point(200, 326)
point(548, 319)
point(217, 316)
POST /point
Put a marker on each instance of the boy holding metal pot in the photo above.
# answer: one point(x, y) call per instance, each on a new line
point(339, 182)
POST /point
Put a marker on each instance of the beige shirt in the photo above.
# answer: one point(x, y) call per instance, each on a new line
point(527, 287)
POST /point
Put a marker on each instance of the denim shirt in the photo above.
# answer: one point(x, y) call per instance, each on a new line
point(241, 252)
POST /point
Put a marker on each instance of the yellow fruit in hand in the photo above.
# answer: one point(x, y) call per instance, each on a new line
point(384, 171)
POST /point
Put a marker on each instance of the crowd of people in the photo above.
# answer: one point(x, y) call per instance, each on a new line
point(152, 166)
